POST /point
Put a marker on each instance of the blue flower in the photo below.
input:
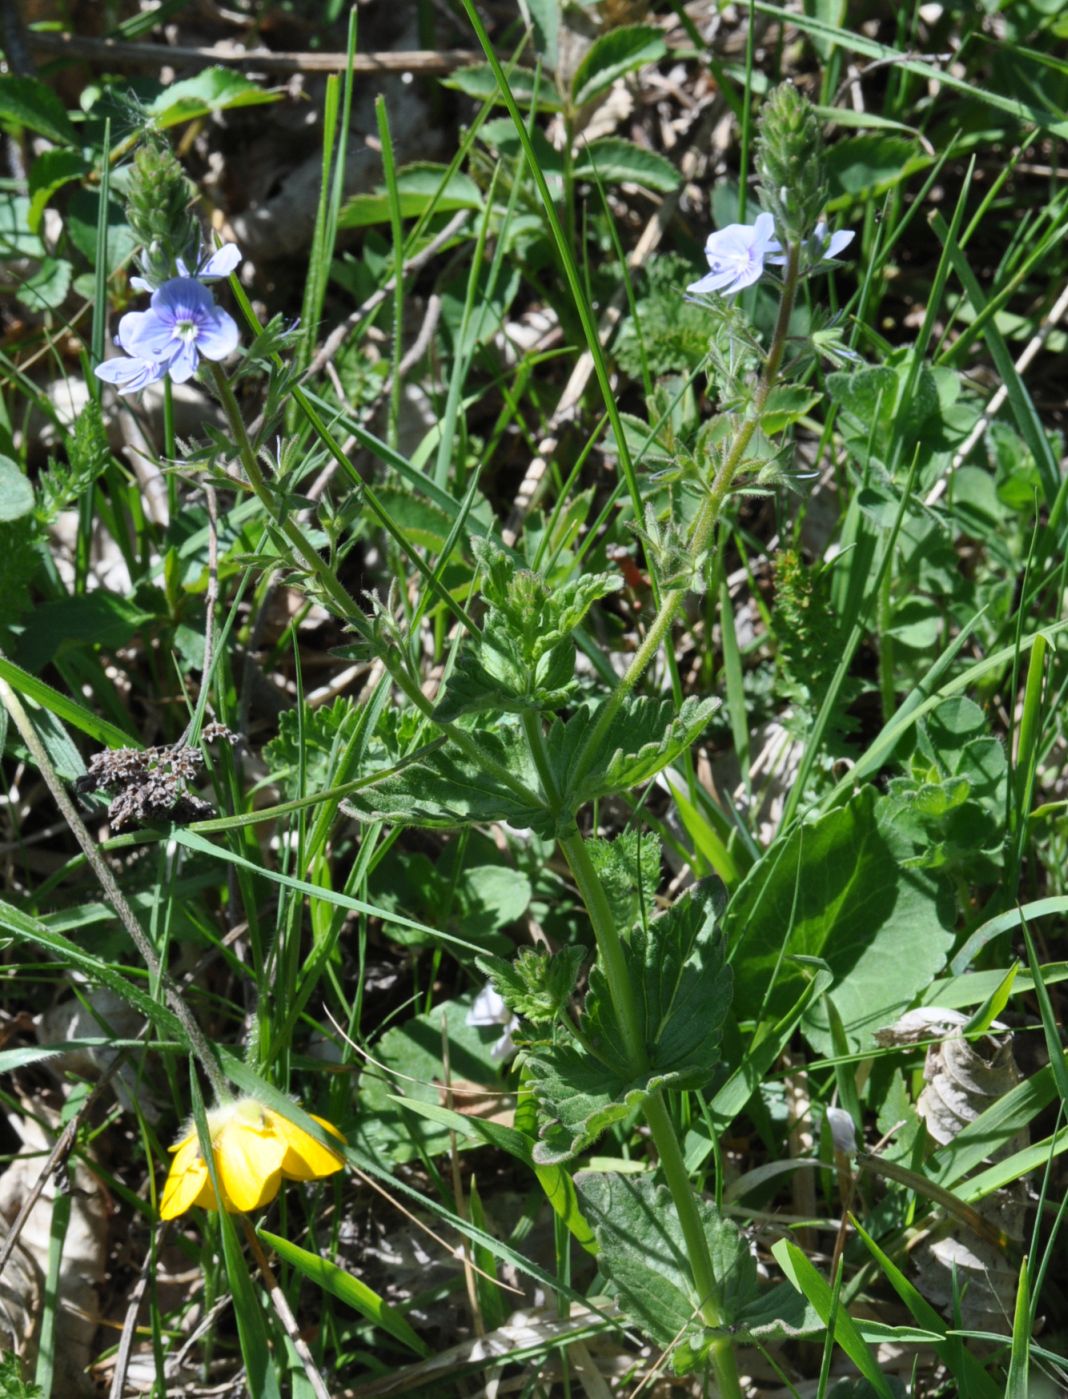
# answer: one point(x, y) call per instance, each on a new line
point(736, 255)
point(218, 263)
point(820, 246)
point(181, 324)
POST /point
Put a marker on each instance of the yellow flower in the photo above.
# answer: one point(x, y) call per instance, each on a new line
point(255, 1148)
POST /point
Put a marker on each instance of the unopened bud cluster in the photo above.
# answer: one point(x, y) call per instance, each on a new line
point(159, 210)
point(790, 163)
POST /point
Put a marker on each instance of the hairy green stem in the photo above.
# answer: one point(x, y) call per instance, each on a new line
point(614, 966)
point(678, 1180)
point(609, 944)
point(705, 522)
point(609, 947)
point(114, 895)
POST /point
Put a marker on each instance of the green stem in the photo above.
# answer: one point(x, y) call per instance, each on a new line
point(340, 600)
point(609, 948)
point(666, 1141)
point(614, 966)
point(703, 525)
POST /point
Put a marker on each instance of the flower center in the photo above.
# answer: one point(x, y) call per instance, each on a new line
point(185, 329)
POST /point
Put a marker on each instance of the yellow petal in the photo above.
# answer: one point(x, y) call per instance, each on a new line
point(305, 1158)
point(188, 1183)
point(248, 1159)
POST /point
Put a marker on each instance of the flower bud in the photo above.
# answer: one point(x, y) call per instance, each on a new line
point(159, 210)
point(790, 163)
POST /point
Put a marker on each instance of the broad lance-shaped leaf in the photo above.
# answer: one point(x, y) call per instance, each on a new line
point(683, 991)
point(645, 736)
point(843, 888)
point(642, 1253)
point(614, 54)
point(446, 788)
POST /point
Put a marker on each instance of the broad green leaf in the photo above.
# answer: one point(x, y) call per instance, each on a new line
point(544, 18)
point(348, 1289)
point(16, 493)
point(785, 405)
point(613, 160)
point(51, 171)
point(480, 1129)
point(46, 288)
point(863, 167)
point(840, 889)
point(479, 82)
point(682, 990)
point(411, 1063)
point(614, 54)
point(642, 1253)
point(645, 736)
point(16, 237)
point(83, 212)
point(30, 103)
point(418, 186)
point(447, 788)
point(99, 618)
point(213, 90)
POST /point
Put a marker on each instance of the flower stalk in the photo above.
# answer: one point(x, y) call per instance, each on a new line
point(706, 519)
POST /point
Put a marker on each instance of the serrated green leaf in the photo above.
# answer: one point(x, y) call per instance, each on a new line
point(613, 160)
point(537, 985)
point(613, 55)
point(447, 788)
point(839, 889)
point(51, 171)
point(16, 493)
point(524, 658)
point(645, 736)
point(683, 992)
point(785, 405)
point(30, 103)
point(418, 186)
point(478, 81)
point(643, 1254)
point(213, 90)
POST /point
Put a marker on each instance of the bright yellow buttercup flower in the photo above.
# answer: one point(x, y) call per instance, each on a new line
point(255, 1149)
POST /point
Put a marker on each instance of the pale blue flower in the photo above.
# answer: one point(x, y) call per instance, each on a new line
point(182, 324)
point(490, 1009)
point(736, 255)
point(821, 246)
point(211, 267)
